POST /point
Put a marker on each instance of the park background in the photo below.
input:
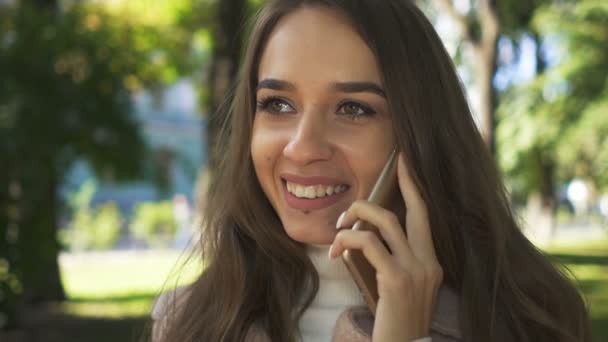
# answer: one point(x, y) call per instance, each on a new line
point(107, 127)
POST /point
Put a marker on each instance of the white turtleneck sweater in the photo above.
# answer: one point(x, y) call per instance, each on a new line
point(337, 291)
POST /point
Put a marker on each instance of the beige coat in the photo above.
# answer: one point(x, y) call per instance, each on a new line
point(355, 324)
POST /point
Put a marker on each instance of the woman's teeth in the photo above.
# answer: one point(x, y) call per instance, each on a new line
point(314, 191)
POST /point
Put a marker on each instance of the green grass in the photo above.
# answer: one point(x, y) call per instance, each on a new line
point(121, 285)
point(110, 295)
point(121, 289)
point(589, 264)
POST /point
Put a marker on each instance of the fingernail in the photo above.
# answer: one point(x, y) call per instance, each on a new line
point(331, 248)
point(339, 223)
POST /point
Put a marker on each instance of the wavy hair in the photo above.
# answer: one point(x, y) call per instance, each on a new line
point(256, 277)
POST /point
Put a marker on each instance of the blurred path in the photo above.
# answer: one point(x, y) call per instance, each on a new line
point(579, 232)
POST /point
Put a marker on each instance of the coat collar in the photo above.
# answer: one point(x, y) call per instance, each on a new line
point(446, 317)
point(355, 324)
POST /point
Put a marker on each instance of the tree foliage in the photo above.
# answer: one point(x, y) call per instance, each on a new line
point(560, 118)
point(68, 74)
point(154, 222)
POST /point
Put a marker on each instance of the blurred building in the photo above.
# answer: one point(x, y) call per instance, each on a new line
point(174, 131)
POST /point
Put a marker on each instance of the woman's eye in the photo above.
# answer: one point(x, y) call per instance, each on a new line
point(275, 105)
point(355, 110)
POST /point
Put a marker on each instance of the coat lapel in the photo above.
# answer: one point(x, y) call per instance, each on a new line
point(356, 324)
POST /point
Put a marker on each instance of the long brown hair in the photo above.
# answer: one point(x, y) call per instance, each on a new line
point(256, 276)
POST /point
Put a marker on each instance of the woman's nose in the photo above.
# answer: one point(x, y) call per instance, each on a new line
point(309, 142)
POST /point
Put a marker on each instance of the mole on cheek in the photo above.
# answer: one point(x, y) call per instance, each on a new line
point(268, 158)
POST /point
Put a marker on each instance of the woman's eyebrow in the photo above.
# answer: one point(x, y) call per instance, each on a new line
point(345, 87)
point(275, 84)
point(359, 87)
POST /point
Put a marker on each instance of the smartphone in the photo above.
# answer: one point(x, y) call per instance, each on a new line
point(361, 270)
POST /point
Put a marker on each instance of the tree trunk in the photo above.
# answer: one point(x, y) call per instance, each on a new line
point(484, 74)
point(484, 48)
point(38, 245)
point(538, 221)
point(548, 200)
point(10, 193)
point(486, 53)
point(227, 40)
point(29, 248)
point(546, 164)
point(38, 248)
point(540, 211)
point(540, 61)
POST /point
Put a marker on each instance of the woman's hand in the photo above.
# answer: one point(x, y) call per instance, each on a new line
point(409, 277)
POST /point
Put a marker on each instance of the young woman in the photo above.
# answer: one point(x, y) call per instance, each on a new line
point(326, 90)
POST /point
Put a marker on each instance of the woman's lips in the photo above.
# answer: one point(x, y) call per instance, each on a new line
point(311, 203)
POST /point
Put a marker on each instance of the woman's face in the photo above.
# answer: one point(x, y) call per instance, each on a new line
point(321, 132)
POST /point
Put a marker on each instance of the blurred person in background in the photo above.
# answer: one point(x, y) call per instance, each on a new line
point(326, 89)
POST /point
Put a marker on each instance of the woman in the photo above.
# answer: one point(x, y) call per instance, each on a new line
point(326, 89)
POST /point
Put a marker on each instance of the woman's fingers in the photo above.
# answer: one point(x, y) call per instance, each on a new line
point(417, 222)
point(369, 244)
point(384, 220)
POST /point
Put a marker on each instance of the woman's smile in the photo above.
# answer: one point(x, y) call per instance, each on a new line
point(312, 193)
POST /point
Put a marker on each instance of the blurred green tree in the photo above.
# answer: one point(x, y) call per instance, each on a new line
point(514, 20)
point(154, 222)
point(65, 94)
point(555, 127)
point(481, 24)
point(91, 227)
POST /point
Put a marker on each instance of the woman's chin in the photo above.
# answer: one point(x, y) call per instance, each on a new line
point(316, 236)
